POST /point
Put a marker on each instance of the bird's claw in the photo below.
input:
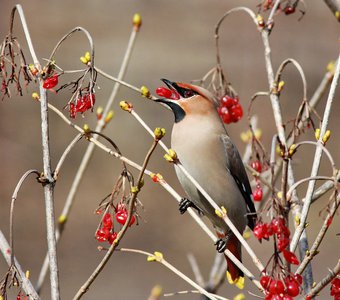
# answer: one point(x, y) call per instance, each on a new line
point(221, 244)
point(184, 204)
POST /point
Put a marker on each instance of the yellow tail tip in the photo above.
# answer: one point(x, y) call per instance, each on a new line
point(239, 281)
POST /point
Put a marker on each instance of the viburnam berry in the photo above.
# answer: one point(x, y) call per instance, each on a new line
point(50, 82)
point(256, 165)
point(121, 216)
point(230, 109)
point(258, 194)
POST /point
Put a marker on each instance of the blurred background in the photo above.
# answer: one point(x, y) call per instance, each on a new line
point(176, 41)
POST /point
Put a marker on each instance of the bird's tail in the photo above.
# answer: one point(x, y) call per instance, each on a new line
point(234, 274)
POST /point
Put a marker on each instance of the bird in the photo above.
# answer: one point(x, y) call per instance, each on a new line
point(206, 151)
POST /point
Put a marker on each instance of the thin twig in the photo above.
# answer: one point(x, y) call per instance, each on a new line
point(313, 251)
point(317, 160)
point(325, 281)
point(14, 198)
point(64, 155)
point(161, 260)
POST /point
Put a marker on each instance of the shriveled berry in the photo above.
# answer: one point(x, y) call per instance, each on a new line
point(282, 242)
point(290, 257)
point(289, 10)
point(259, 231)
point(50, 82)
point(298, 278)
point(112, 237)
point(107, 221)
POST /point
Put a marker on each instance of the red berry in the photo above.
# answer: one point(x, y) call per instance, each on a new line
point(102, 235)
point(282, 243)
point(226, 117)
point(298, 278)
point(279, 225)
point(236, 113)
point(107, 221)
point(228, 101)
point(256, 165)
point(50, 82)
point(164, 92)
point(289, 10)
point(258, 194)
point(268, 230)
point(290, 257)
point(292, 288)
point(265, 281)
point(121, 217)
point(259, 231)
point(112, 237)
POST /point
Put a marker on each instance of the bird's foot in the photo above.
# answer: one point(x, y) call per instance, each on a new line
point(221, 243)
point(184, 204)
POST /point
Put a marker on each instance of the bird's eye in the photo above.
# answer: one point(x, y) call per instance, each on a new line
point(188, 93)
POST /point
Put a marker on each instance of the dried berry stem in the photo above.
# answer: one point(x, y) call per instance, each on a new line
point(25, 282)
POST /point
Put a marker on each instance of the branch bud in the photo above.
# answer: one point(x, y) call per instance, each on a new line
point(137, 21)
point(86, 128)
point(134, 190)
point(292, 150)
point(62, 219)
point(83, 60)
point(109, 116)
point(260, 21)
point(35, 96)
point(159, 133)
point(317, 133)
point(326, 136)
point(156, 177)
point(280, 86)
point(145, 91)
point(99, 112)
point(124, 105)
point(88, 56)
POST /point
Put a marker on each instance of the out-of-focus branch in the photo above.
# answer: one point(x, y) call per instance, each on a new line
point(334, 6)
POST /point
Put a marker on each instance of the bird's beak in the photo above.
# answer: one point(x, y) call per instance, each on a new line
point(170, 103)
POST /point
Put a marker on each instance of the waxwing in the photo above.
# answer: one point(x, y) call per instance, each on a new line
point(205, 149)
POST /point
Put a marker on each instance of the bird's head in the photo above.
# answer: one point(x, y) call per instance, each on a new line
point(185, 99)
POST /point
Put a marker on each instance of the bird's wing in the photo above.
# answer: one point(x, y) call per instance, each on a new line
point(236, 168)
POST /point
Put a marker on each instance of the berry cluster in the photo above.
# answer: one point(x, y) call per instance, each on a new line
point(277, 289)
point(258, 192)
point(106, 229)
point(166, 93)
point(335, 288)
point(230, 110)
point(83, 103)
point(278, 227)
